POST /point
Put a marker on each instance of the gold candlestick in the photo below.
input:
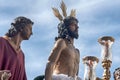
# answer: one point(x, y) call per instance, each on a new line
point(106, 55)
point(106, 65)
point(90, 66)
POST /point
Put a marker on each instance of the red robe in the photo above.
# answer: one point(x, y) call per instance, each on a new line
point(10, 60)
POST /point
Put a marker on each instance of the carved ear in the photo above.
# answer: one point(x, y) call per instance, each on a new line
point(21, 30)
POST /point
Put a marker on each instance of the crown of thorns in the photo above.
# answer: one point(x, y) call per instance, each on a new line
point(64, 14)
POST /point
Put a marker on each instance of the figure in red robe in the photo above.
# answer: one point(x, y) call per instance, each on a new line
point(12, 62)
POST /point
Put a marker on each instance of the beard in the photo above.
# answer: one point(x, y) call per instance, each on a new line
point(73, 34)
point(24, 35)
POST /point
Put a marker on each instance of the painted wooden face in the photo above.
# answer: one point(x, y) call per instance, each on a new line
point(117, 74)
point(27, 32)
point(73, 29)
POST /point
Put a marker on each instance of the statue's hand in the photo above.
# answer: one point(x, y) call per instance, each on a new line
point(5, 74)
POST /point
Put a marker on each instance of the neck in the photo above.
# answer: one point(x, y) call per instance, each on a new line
point(15, 41)
point(71, 40)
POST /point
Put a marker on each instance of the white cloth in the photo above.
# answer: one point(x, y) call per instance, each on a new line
point(64, 77)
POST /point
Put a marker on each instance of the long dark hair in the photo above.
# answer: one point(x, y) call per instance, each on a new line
point(63, 28)
point(18, 24)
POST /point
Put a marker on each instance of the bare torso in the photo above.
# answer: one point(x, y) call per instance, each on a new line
point(68, 61)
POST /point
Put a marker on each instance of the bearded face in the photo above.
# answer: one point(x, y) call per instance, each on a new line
point(73, 30)
point(73, 34)
point(24, 35)
point(26, 32)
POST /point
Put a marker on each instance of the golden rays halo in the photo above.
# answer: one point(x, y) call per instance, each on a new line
point(64, 13)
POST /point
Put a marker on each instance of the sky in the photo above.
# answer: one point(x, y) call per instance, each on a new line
point(97, 18)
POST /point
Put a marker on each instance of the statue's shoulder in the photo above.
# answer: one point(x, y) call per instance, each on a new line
point(3, 39)
point(61, 42)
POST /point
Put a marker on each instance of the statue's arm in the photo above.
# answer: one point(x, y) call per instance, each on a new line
point(53, 58)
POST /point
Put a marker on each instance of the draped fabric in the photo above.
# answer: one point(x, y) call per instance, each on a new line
point(58, 77)
point(10, 60)
point(64, 77)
